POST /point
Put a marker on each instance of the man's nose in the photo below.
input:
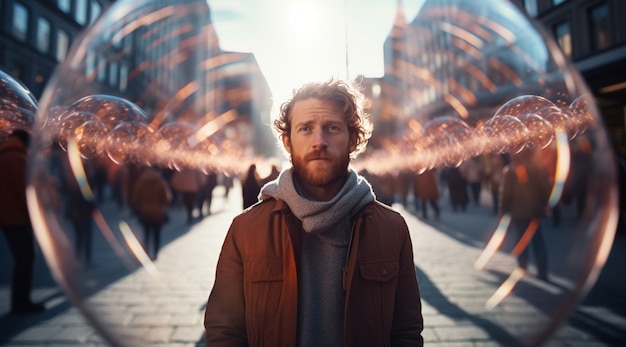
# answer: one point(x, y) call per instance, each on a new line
point(319, 139)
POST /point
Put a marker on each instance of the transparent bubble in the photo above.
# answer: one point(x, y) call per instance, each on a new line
point(453, 134)
point(131, 142)
point(189, 89)
point(18, 106)
point(88, 136)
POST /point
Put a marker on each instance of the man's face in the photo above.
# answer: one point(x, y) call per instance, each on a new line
point(319, 145)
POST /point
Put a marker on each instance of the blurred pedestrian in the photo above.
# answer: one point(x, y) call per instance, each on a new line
point(15, 221)
point(493, 164)
point(205, 193)
point(188, 183)
point(403, 185)
point(251, 187)
point(472, 171)
point(426, 190)
point(150, 199)
point(78, 211)
point(524, 197)
point(457, 188)
point(227, 181)
point(318, 261)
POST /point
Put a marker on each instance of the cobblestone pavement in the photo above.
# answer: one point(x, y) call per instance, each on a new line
point(165, 307)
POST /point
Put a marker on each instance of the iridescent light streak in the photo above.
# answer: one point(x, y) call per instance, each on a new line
point(110, 237)
point(78, 171)
point(494, 242)
point(505, 289)
point(562, 167)
point(211, 128)
point(138, 250)
point(526, 237)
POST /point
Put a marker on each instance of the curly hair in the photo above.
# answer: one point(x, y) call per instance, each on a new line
point(346, 96)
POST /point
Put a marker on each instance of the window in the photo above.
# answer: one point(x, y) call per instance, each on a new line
point(96, 8)
point(113, 74)
point(600, 34)
point(123, 77)
point(101, 69)
point(81, 12)
point(63, 44)
point(90, 65)
point(43, 35)
point(531, 7)
point(563, 36)
point(19, 27)
point(65, 5)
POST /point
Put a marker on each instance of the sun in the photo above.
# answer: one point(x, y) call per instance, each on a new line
point(305, 20)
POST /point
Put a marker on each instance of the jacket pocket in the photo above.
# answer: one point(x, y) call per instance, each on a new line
point(378, 291)
point(264, 281)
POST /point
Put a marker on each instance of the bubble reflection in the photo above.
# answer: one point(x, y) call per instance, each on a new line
point(527, 121)
point(18, 106)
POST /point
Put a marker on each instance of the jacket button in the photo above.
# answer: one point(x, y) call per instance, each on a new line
point(383, 272)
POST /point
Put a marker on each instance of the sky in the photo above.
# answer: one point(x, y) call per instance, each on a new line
point(295, 41)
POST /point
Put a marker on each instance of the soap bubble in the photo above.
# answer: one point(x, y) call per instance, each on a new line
point(174, 86)
point(18, 106)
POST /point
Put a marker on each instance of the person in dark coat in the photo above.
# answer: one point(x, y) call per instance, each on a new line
point(205, 193)
point(524, 197)
point(188, 183)
point(15, 221)
point(149, 200)
point(250, 187)
point(426, 190)
point(457, 188)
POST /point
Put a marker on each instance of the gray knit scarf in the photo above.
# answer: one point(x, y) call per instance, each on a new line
point(318, 216)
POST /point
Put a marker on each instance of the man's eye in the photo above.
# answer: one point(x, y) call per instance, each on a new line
point(305, 128)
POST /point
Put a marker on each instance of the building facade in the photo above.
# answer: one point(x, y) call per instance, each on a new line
point(592, 33)
point(148, 62)
point(36, 35)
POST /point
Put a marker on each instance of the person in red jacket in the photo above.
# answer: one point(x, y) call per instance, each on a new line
point(318, 261)
point(15, 220)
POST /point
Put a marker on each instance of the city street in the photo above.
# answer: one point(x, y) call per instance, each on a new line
point(453, 292)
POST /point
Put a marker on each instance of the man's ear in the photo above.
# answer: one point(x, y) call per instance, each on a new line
point(286, 143)
point(352, 146)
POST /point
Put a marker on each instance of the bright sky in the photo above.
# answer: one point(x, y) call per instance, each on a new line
point(302, 40)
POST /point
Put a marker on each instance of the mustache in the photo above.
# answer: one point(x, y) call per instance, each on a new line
point(318, 154)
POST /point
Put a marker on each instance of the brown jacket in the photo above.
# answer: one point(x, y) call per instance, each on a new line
point(525, 191)
point(426, 186)
point(254, 299)
point(150, 197)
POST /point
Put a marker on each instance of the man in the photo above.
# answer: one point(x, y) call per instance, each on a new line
point(15, 220)
point(318, 262)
